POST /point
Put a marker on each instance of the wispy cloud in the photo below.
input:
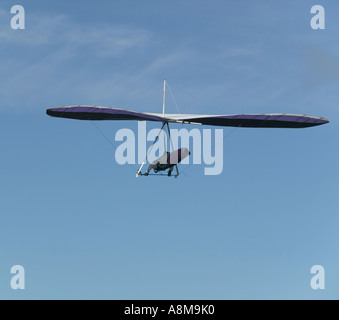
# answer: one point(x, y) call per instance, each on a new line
point(55, 57)
point(101, 40)
point(59, 61)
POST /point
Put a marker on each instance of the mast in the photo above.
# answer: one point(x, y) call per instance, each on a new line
point(163, 105)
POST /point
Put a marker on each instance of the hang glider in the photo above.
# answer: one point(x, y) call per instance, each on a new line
point(279, 120)
point(171, 159)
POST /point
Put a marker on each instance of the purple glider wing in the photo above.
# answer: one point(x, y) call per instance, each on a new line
point(253, 120)
point(99, 113)
point(282, 120)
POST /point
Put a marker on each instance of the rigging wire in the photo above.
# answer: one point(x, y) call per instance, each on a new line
point(108, 140)
point(227, 135)
point(135, 94)
point(173, 98)
point(190, 94)
point(117, 103)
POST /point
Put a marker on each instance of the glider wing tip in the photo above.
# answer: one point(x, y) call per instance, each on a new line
point(325, 121)
point(50, 112)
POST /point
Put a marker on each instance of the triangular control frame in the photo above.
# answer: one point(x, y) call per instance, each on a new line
point(176, 175)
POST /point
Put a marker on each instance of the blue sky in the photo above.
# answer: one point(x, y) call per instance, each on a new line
point(85, 228)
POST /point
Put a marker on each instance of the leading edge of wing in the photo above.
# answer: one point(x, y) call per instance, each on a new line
point(280, 120)
point(81, 112)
